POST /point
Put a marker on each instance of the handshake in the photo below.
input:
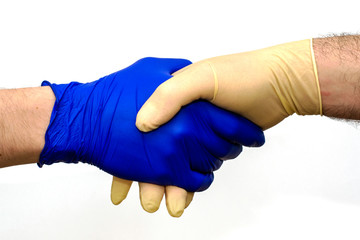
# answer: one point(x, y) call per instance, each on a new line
point(94, 123)
point(169, 124)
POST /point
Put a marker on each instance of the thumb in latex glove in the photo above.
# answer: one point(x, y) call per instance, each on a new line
point(264, 86)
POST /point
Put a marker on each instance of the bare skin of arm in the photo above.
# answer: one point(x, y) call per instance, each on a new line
point(338, 64)
point(24, 117)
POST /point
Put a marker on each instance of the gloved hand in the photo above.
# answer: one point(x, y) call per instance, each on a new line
point(95, 123)
point(265, 86)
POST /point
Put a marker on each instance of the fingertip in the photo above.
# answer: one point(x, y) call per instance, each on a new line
point(148, 115)
point(207, 181)
point(150, 206)
point(175, 200)
point(236, 129)
point(119, 190)
point(176, 213)
point(157, 110)
point(117, 200)
point(175, 209)
point(142, 123)
point(249, 134)
point(150, 196)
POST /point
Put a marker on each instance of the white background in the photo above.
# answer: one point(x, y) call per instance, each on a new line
point(303, 184)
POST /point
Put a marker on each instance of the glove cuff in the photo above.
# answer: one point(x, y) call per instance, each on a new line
point(58, 136)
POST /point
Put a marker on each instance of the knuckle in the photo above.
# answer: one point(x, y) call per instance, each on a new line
point(181, 133)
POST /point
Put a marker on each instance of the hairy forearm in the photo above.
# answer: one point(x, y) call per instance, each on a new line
point(338, 63)
point(24, 117)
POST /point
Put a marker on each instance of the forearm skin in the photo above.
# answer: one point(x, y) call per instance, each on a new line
point(24, 117)
point(338, 64)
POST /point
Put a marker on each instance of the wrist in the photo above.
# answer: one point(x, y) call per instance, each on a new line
point(295, 77)
point(338, 70)
point(24, 117)
point(69, 126)
point(270, 84)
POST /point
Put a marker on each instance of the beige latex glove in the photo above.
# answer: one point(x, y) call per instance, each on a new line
point(177, 199)
point(264, 86)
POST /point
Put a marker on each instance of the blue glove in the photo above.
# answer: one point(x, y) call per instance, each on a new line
point(94, 123)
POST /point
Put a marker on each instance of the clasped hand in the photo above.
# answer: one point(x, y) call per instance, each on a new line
point(94, 123)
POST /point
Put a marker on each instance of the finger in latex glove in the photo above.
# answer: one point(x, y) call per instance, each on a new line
point(119, 190)
point(177, 199)
point(151, 195)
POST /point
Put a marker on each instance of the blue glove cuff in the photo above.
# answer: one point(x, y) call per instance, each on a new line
point(59, 135)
